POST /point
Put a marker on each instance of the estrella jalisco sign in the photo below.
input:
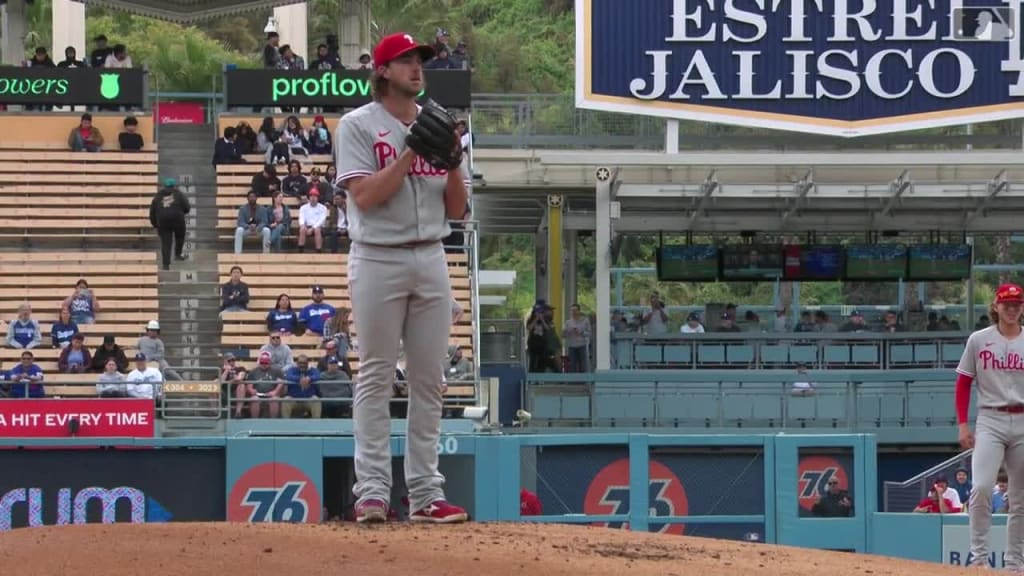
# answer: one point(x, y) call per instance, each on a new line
point(342, 88)
point(838, 67)
point(68, 86)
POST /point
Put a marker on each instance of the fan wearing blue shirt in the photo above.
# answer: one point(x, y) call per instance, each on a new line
point(28, 375)
point(63, 329)
point(282, 318)
point(314, 316)
point(302, 382)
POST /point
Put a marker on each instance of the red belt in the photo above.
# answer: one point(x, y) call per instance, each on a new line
point(1017, 409)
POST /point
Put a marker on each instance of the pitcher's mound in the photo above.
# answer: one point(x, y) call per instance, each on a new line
point(465, 550)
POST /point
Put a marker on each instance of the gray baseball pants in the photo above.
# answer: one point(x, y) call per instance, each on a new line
point(399, 294)
point(998, 437)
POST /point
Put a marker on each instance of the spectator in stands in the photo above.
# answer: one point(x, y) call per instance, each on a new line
point(282, 319)
point(63, 329)
point(459, 368)
point(316, 181)
point(315, 315)
point(26, 378)
point(319, 137)
point(265, 381)
point(692, 325)
point(144, 381)
point(336, 390)
point(279, 152)
point(730, 310)
point(325, 59)
point(949, 492)
point(225, 150)
point(619, 323)
point(5, 386)
point(834, 503)
point(71, 59)
point(74, 358)
point(1000, 499)
point(442, 40)
point(780, 323)
point(295, 136)
point(802, 385)
point(303, 392)
point(332, 350)
point(312, 217)
point(752, 321)
point(441, 61)
point(99, 54)
point(728, 324)
point(23, 331)
point(246, 138)
point(167, 215)
point(118, 57)
point(460, 57)
point(109, 350)
point(542, 342)
point(855, 323)
point(130, 140)
point(289, 59)
point(337, 225)
point(280, 220)
point(234, 294)
point(577, 340)
point(265, 183)
point(295, 184)
point(655, 319)
point(82, 303)
point(337, 330)
point(822, 323)
point(529, 503)
point(458, 312)
point(41, 59)
point(252, 221)
point(890, 323)
point(365, 62)
point(85, 136)
point(271, 57)
point(110, 383)
point(331, 177)
point(153, 347)
point(806, 323)
point(280, 353)
point(936, 502)
point(232, 376)
point(267, 135)
point(962, 484)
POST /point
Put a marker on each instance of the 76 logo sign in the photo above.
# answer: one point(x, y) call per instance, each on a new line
point(274, 492)
point(277, 504)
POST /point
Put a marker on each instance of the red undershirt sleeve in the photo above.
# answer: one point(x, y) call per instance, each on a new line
point(963, 397)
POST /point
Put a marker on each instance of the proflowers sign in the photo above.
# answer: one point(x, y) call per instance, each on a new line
point(840, 67)
point(342, 88)
point(69, 86)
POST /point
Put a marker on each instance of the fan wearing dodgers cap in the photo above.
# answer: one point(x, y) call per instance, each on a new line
point(993, 358)
point(399, 205)
point(316, 314)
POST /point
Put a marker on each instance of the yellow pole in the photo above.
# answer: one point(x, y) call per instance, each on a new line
point(555, 259)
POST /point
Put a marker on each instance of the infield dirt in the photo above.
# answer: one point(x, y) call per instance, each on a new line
point(475, 549)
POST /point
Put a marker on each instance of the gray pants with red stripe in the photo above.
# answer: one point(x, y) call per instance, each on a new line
point(399, 295)
point(998, 437)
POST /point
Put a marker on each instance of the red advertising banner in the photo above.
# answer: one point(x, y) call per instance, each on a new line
point(51, 418)
point(179, 113)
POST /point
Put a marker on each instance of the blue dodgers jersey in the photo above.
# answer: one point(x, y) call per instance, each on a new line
point(314, 316)
point(281, 321)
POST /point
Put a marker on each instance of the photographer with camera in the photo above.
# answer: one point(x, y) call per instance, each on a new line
point(655, 319)
point(543, 347)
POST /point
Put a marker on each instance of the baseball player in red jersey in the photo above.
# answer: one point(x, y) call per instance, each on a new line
point(994, 357)
point(391, 155)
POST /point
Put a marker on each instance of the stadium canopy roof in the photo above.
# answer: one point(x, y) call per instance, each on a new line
point(186, 11)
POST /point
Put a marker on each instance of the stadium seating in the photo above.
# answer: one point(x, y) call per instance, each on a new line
point(125, 283)
point(269, 275)
point(56, 194)
point(233, 184)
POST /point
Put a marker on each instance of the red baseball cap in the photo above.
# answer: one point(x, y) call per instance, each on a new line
point(1009, 293)
point(395, 45)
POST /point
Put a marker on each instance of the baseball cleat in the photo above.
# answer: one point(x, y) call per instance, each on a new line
point(371, 511)
point(439, 512)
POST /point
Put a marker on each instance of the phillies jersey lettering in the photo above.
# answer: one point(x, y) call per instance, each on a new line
point(367, 140)
point(996, 365)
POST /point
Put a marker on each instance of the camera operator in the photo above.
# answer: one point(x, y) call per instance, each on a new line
point(655, 320)
point(543, 347)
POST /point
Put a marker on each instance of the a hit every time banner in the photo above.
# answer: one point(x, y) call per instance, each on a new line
point(956, 545)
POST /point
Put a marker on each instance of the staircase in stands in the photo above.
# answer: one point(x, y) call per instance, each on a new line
point(189, 295)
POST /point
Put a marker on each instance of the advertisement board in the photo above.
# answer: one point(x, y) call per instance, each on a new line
point(341, 88)
point(95, 417)
point(70, 86)
point(956, 546)
point(837, 67)
point(595, 480)
point(60, 487)
point(814, 472)
point(179, 113)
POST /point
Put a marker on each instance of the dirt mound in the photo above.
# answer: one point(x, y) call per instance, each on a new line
point(467, 550)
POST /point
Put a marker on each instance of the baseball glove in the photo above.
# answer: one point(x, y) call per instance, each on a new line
point(433, 137)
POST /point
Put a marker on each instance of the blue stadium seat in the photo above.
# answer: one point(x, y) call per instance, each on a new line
point(691, 405)
point(774, 354)
point(837, 354)
point(630, 403)
point(901, 354)
point(951, 353)
point(804, 354)
point(678, 354)
point(930, 404)
point(647, 354)
point(927, 353)
point(865, 354)
point(710, 354)
point(739, 353)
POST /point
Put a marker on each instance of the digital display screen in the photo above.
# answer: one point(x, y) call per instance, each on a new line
point(810, 263)
point(939, 262)
point(687, 263)
point(876, 262)
point(751, 262)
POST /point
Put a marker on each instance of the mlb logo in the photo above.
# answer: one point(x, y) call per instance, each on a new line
point(984, 24)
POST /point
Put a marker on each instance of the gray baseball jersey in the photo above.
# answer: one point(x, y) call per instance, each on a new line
point(997, 366)
point(367, 140)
